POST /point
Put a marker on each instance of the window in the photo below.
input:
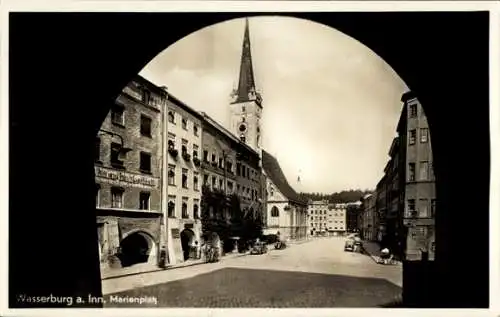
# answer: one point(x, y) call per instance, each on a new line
point(214, 182)
point(184, 123)
point(230, 187)
point(424, 170)
point(238, 169)
point(424, 135)
point(115, 155)
point(97, 195)
point(195, 182)
point(243, 138)
point(238, 188)
point(196, 211)
point(97, 157)
point(116, 197)
point(411, 208)
point(195, 130)
point(229, 167)
point(144, 200)
point(171, 175)
point(243, 170)
point(145, 126)
point(423, 208)
point(433, 208)
point(171, 117)
point(146, 96)
point(214, 159)
point(171, 206)
point(184, 178)
point(221, 184)
point(185, 214)
point(411, 172)
point(145, 162)
point(413, 111)
point(195, 151)
point(413, 136)
point(205, 179)
point(118, 115)
point(243, 109)
point(221, 163)
point(275, 212)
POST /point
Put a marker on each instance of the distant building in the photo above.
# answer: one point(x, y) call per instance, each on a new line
point(419, 189)
point(128, 176)
point(337, 219)
point(184, 174)
point(318, 218)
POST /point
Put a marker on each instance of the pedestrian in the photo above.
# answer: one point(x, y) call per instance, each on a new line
point(197, 250)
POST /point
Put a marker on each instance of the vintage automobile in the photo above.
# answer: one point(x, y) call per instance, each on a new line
point(353, 243)
point(259, 248)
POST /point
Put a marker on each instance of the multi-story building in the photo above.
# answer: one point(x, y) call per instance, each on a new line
point(352, 212)
point(318, 214)
point(381, 208)
point(128, 175)
point(337, 219)
point(419, 181)
point(230, 165)
point(286, 211)
point(184, 174)
point(369, 217)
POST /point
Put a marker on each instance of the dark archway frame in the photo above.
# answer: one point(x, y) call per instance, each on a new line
point(67, 68)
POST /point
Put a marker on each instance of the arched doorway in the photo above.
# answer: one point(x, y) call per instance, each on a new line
point(187, 237)
point(136, 248)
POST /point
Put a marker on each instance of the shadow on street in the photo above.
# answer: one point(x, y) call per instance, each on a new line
point(234, 287)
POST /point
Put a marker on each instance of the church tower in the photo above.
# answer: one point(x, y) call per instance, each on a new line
point(246, 102)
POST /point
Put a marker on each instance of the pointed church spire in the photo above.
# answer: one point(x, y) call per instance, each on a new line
point(246, 90)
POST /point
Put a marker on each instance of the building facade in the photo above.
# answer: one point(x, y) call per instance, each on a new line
point(286, 210)
point(231, 166)
point(318, 214)
point(369, 218)
point(183, 143)
point(337, 219)
point(419, 190)
point(352, 216)
point(128, 176)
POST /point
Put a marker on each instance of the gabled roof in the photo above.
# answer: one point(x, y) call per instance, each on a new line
point(273, 170)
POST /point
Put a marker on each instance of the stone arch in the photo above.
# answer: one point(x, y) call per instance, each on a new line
point(137, 246)
point(187, 239)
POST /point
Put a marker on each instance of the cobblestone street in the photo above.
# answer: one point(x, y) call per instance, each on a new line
point(313, 274)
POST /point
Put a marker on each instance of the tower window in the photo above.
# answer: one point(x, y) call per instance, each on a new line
point(243, 108)
point(243, 138)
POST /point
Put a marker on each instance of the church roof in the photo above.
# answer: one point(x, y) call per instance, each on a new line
point(246, 84)
point(273, 170)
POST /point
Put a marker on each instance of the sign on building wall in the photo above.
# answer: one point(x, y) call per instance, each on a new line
point(120, 178)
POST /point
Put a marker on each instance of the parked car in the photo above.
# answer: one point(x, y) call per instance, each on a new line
point(353, 243)
point(349, 245)
point(259, 248)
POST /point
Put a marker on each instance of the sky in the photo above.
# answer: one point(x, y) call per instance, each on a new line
point(330, 104)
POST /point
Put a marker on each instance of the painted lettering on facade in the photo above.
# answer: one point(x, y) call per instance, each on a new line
point(124, 178)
